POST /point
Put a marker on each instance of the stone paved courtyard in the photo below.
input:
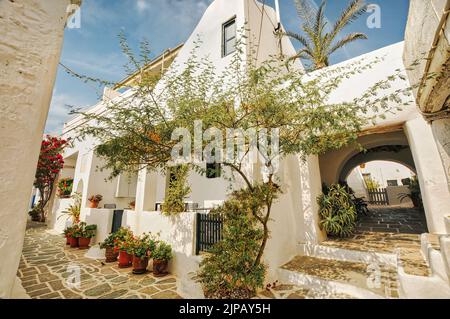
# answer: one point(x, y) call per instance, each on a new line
point(393, 220)
point(44, 271)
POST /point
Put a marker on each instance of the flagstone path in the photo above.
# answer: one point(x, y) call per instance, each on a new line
point(47, 266)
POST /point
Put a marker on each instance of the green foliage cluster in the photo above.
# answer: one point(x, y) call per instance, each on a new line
point(143, 246)
point(232, 269)
point(162, 251)
point(337, 211)
point(177, 190)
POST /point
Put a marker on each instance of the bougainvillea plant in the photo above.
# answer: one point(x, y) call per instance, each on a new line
point(49, 165)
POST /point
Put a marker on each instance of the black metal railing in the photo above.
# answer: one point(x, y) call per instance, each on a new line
point(378, 196)
point(209, 231)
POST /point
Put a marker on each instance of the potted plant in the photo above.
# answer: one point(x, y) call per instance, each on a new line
point(161, 257)
point(122, 244)
point(414, 193)
point(66, 235)
point(35, 214)
point(132, 204)
point(94, 200)
point(108, 245)
point(85, 234)
point(65, 187)
point(142, 248)
point(73, 234)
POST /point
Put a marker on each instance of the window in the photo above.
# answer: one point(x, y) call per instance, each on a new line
point(392, 182)
point(229, 37)
point(213, 170)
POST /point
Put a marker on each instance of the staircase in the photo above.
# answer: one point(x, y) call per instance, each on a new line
point(374, 265)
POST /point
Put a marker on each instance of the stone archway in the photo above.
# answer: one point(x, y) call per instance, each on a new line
point(397, 217)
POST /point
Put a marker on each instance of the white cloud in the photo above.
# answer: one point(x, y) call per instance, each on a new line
point(59, 112)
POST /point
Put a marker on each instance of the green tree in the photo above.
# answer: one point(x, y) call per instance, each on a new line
point(136, 131)
point(318, 44)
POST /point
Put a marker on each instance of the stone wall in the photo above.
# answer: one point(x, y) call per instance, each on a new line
point(30, 45)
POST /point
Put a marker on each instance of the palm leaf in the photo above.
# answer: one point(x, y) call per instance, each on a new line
point(349, 38)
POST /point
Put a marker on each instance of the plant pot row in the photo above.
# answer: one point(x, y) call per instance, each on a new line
point(139, 264)
point(78, 242)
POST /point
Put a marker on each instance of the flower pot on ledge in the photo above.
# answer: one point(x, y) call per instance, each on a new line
point(93, 204)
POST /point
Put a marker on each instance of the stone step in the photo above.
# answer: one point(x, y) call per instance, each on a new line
point(357, 279)
point(343, 254)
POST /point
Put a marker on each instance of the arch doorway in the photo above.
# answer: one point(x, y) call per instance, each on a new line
point(384, 174)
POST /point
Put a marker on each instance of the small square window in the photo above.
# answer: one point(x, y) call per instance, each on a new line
point(229, 37)
point(213, 170)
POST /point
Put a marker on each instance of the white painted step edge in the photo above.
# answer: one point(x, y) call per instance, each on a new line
point(313, 282)
point(326, 252)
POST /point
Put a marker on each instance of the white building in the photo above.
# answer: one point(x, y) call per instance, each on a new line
point(295, 215)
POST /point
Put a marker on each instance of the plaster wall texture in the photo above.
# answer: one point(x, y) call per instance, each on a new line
point(32, 34)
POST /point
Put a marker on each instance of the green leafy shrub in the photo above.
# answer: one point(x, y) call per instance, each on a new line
point(337, 212)
point(177, 190)
point(163, 252)
point(143, 246)
point(229, 271)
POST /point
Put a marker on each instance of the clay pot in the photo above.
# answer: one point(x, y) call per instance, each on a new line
point(140, 265)
point(73, 242)
point(93, 204)
point(83, 243)
point(159, 268)
point(111, 255)
point(125, 259)
point(67, 240)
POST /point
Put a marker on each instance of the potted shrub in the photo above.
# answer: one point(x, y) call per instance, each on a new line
point(35, 214)
point(108, 245)
point(66, 234)
point(65, 187)
point(94, 200)
point(73, 234)
point(85, 234)
point(161, 257)
point(122, 244)
point(142, 248)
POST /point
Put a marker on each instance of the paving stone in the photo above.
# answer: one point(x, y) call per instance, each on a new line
point(52, 295)
point(167, 281)
point(68, 294)
point(147, 281)
point(168, 294)
point(47, 277)
point(98, 290)
point(115, 294)
point(35, 287)
point(119, 280)
point(39, 292)
point(149, 290)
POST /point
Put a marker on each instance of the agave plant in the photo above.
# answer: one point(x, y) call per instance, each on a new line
point(337, 212)
point(318, 43)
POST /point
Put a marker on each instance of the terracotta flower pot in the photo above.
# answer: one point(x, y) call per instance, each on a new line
point(111, 255)
point(73, 242)
point(140, 265)
point(83, 243)
point(93, 204)
point(159, 268)
point(124, 259)
point(67, 240)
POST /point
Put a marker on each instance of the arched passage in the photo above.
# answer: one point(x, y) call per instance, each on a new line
point(388, 212)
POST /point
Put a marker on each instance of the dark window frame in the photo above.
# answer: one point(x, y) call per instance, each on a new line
point(227, 24)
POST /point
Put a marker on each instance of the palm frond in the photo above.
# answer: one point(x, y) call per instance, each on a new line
point(349, 38)
point(350, 14)
point(299, 38)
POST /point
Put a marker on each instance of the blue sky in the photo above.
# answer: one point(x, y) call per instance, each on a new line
point(94, 48)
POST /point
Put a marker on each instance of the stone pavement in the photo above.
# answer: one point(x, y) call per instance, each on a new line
point(406, 245)
point(47, 263)
point(394, 220)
